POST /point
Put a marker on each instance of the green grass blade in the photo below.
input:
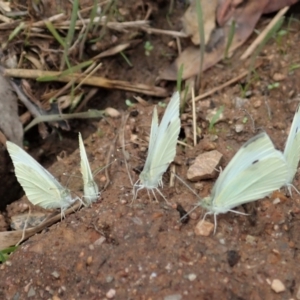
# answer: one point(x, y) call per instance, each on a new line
point(179, 78)
point(66, 72)
point(215, 118)
point(55, 34)
point(202, 40)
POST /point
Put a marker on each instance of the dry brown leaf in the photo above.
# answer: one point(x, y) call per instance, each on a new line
point(190, 59)
point(245, 16)
point(275, 5)
point(190, 20)
point(10, 124)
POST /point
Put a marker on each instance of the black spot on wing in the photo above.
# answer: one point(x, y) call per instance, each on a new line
point(255, 162)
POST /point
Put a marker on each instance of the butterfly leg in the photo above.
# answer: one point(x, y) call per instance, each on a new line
point(135, 192)
point(289, 189)
point(162, 196)
point(153, 195)
point(216, 223)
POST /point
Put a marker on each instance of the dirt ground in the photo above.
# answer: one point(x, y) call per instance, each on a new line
point(123, 250)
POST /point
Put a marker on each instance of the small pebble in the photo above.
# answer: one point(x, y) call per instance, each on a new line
point(89, 260)
point(111, 294)
point(100, 241)
point(277, 286)
point(103, 178)
point(133, 137)
point(173, 297)
point(208, 145)
point(192, 277)
point(111, 112)
point(31, 292)
point(240, 102)
point(239, 128)
point(250, 240)
point(109, 278)
point(55, 274)
point(204, 228)
point(233, 258)
point(257, 104)
point(279, 77)
point(199, 186)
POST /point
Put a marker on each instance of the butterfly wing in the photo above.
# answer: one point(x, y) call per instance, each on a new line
point(257, 147)
point(162, 145)
point(292, 147)
point(256, 182)
point(255, 171)
point(152, 140)
point(91, 190)
point(40, 186)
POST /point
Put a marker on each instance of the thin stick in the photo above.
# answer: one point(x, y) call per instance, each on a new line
point(92, 80)
point(10, 238)
point(194, 117)
point(172, 176)
point(184, 144)
point(92, 92)
point(122, 142)
point(220, 87)
point(108, 161)
point(172, 33)
point(264, 33)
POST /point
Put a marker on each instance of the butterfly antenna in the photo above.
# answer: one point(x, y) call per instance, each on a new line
point(97, 171)
point(71, 175)
point(184, 183)
point(189, 212)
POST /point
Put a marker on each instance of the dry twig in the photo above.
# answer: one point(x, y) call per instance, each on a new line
point(92, 80)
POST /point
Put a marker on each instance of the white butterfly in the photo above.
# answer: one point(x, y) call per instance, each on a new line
point(292, 149)
point(255, 171)
point(91, 191)
point(162, 146)
point(40, 186)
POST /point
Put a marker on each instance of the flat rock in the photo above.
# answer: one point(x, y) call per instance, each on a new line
point(204, 166)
